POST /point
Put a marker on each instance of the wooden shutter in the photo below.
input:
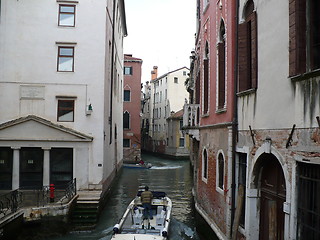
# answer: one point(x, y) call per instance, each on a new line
point(205, 85)
point(222, 74)
point(297, 36)
point(242, 56)
point(254, 51)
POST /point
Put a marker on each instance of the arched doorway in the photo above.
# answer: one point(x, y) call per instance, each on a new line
point(273, 195)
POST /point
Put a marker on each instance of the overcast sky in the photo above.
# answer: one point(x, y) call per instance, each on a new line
point(161, 33)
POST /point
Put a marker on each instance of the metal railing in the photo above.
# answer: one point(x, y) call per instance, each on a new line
point(191, 115)
point(9, 203)
point(40, 196)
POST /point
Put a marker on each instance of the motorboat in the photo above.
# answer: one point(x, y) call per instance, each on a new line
point(133, 226)
point(137, 165)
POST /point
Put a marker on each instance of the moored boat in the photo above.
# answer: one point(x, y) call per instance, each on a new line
point(134, 226)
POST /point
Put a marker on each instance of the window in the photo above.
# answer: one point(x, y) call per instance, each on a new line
point(181, 124)
point(242, 173)
point(67, 15)
point(205, 103)
point(65, 59)
point(61, 166)
point(175, 80)
point(126, 120)
point(304, 33)
point(205, 165)
point(126, 143)
point(308, 207)
point(221, 67)
point(181, 142)
point(248, 57)
point(128, 71)
point(184, 73)
point(220, 173)
point(127, 96)
point(66, 110)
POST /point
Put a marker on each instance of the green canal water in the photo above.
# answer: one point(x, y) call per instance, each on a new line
point(171, 176)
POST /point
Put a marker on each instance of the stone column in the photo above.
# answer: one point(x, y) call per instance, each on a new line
point(46, 166)
point(16, 168)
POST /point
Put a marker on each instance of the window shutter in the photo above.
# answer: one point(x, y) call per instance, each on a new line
point(222, 75)
point(254, 51)
point(205, 85)
point(297, 36)
point(242, 57)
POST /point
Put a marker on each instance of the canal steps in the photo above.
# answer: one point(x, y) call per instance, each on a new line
point(86, 212)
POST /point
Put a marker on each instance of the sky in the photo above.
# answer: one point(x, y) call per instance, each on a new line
point(161, 33)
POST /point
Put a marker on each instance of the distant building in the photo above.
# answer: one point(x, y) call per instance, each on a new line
point(177, 140)
point(131, 108)
point(167, 94)
point(61, 93)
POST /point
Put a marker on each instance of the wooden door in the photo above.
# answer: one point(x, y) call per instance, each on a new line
point(273, 194)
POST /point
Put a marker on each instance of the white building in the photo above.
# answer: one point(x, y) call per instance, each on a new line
point(278, 148)
point(168, 94)
point(61, 73)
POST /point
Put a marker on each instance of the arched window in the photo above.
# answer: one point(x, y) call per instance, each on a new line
point(220, 171)
point(205, 165)
point(206, 65)
point(126, 120)
point(221, 66)
point(248, 57)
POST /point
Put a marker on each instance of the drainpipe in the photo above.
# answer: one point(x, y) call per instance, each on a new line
point(112, 68)
point(235, 119)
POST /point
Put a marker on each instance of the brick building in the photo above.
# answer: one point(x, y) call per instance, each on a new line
point(131, 108)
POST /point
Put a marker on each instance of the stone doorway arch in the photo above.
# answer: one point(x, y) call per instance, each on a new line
point(272, 188)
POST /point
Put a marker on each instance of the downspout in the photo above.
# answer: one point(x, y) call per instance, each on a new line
point(112, 69)
point(235, 119)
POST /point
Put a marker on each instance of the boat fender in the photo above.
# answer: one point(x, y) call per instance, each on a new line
point(116, 229)
point(164, 232)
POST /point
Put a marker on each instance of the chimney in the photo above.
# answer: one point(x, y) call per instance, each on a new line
point(154, 73)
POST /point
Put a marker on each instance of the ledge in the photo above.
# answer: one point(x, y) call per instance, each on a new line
point(305, 76)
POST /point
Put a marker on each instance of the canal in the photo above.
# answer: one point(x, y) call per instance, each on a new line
point(171, 176)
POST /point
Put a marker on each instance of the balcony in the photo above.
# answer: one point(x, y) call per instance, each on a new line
point(191, 115)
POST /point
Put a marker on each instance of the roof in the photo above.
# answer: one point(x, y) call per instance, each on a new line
point(47, 123)
point(178, 114)
point(162, 76)
point(129, 58)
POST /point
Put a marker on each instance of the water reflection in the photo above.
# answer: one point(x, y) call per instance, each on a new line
point(171, 176)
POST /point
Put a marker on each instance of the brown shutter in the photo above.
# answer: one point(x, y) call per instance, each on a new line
point(254, 50)
point(205, 85)
point(222, 75)
point(297, 36)
point(243, 58)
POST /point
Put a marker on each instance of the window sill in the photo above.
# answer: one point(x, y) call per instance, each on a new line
point(206, 8)
point(221, 110)
point(219, 190)
point(305, 76)
point(205, 115)
point(246, 92)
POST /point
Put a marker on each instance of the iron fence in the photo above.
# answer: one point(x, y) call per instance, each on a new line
point(29, 196)
point(9, 203)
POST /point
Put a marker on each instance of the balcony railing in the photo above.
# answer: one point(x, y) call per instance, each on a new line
point(191, 116)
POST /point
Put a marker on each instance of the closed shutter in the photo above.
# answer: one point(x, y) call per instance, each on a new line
point(254, 51)
point(297, 36)
point(205, 85)
point(243, 58)
point(222, 75)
